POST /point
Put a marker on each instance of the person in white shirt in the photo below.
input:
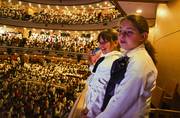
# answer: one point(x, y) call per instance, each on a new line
point(131, 95)
point(97, 81)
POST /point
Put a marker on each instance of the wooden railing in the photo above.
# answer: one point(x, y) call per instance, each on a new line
point(78, 106)
point(78, 27)
point(41, 51)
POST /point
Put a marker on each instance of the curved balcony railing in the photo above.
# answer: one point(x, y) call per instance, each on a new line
point(78, 106)
point(63, 2)
point(40, 51)
point(80, 27)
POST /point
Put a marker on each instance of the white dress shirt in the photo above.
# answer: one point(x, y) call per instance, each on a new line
point(131, 95)
point(97, 83)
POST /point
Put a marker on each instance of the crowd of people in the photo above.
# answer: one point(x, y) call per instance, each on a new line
point(39, 89)
point(69, 43)
point(57, 16)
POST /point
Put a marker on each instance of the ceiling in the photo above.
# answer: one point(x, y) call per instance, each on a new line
point(148, 8)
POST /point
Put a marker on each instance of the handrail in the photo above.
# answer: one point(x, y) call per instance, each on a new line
point(41, 49)
point(63, 2)
point(77, 27)
point(78, 106)
point(56, 52)
point(74, 107)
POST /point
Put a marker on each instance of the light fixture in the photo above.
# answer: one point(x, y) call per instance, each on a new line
point(48, 6)
point(139, 11)
point(39, 5)
point(82, 6)
point(57, 7)
point(20, 2)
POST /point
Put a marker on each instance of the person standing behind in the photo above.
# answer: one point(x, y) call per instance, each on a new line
point(131, 95)
point(100, 76)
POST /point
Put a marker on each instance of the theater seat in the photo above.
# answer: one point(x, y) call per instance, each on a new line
point(170, 93)
point(156, 102)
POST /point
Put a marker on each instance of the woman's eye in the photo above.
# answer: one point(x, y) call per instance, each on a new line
point(118, 30)
point(129, 32)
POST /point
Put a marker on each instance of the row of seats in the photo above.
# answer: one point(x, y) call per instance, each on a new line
point(164, 101)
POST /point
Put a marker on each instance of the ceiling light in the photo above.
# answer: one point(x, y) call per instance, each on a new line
point(162, 11)
point(139, 11)
point(82, 6)
point(57, 7)
point(20, 2)
point(48, 6)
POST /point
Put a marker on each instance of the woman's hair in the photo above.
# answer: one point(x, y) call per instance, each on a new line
point(142, 26)
point(139, 22)
point(151, 51)
point(108, 35)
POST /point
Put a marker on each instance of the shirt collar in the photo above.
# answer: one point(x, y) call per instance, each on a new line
point(130, 53)
point(112, 53)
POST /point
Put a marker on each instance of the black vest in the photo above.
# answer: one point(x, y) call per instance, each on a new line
point(118, 70)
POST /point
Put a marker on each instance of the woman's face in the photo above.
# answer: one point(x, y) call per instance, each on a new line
point(129, 36)
point(106, 46)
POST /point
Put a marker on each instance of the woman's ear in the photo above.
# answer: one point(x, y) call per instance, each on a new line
point(116, 44)
point(144, 36)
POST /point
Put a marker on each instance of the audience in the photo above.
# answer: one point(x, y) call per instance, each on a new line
point(69, 43)
point(57, 16)
point(39, 90)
